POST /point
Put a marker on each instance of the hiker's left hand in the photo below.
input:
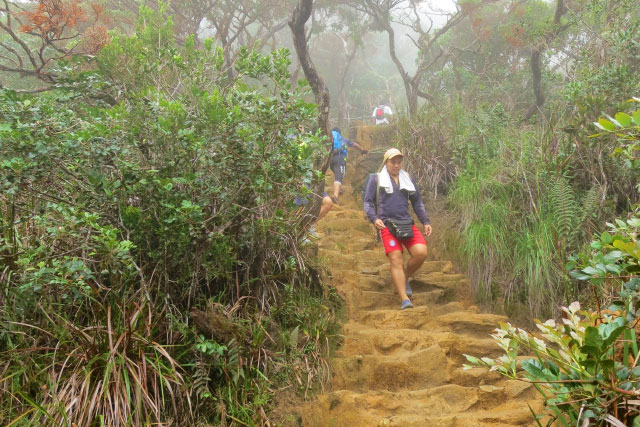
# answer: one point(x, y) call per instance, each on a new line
point(364, 152)
point(427, 230)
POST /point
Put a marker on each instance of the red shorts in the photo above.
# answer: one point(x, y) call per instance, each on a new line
point(392, 244)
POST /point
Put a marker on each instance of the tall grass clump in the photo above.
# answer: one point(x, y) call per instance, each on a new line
point(522, 209)
point(150, 266)
point(485, 219)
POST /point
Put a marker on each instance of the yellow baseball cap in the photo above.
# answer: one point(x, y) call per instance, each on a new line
point(391, 153)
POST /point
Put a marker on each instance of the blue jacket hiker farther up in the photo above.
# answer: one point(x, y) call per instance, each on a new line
point(338, 163)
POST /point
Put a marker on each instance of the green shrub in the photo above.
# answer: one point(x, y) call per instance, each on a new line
point(586, 367)
point(120, 222)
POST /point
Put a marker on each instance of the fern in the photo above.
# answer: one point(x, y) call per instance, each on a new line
point(591, 206)
point(201, 379)
point(565, 211)
point(234, 362)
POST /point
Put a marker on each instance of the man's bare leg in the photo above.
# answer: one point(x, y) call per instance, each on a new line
point(418, 254)
point(336, 190)
point(326, 206)
point(397, 273)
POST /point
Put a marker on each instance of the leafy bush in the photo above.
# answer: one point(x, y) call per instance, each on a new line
point(577, 366)
point(586, 367)
point(121, 219)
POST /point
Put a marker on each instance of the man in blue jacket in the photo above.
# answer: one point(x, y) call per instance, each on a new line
point(338, 162)
point(386, 203)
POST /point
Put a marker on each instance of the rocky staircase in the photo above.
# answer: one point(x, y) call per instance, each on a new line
point(404, 368)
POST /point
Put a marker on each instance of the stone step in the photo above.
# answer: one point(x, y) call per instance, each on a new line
point(475, 377)
point(334, 241)
point(406, 370)
point(410, 370)
point(446, 405)
point(362, 340)
point(469, 323)
point(424, 281)
point(457, 345)
point(344, 226)
point(343, 213)
point(375, 260)
point(412, 318)
point(374, 300)
point(441, 280)
point(382, 283)
point(508, 417)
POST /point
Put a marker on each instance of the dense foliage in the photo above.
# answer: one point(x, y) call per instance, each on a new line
point(528, 191)
point(586, 367)
point(150, 266)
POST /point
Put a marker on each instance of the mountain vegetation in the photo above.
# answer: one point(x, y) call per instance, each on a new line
point(152, 268)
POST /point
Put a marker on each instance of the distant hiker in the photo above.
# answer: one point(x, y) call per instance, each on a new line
point(339, 160)
point(386, 203)
point(381, 114)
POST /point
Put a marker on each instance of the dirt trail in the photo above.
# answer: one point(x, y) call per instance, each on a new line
point(403, 368)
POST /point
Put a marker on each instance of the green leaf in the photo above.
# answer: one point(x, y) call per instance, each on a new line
point(473, 360)
point(624, 119)
point(536, 370)
point(579, 276)
point(636, 117)
point(592, 342)
point(611, 331)
point(293, 338)
point(613, 256)
point(605, 124)
point(591, 271)
point(606, 238)
point(613, 268)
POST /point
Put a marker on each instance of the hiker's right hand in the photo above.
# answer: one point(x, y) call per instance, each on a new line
point(364, 152)
point(379, 224)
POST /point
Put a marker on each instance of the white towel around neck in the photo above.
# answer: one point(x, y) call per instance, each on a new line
point(404, 181)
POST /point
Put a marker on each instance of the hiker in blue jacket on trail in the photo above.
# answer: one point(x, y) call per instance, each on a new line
point(386, 203)
point(338, 162)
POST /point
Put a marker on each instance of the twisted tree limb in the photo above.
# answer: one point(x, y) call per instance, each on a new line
point(300, 16)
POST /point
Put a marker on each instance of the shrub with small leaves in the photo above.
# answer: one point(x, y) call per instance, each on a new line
point(577, 364)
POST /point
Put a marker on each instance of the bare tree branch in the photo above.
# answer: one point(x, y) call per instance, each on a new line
point(380, 11)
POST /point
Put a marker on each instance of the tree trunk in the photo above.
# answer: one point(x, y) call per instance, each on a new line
point(412, 96)
point(301, 14)
point(536, 59)
point(342, 96)
point(536, 80)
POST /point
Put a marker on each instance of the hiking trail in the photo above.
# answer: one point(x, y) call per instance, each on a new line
point(404, 368)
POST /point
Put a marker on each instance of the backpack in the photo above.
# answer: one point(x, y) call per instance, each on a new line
point(380, 113)
point(338, 145)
